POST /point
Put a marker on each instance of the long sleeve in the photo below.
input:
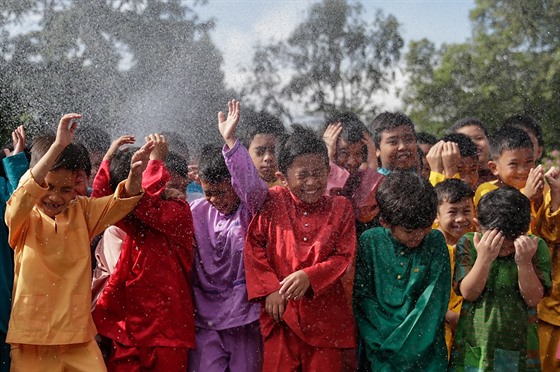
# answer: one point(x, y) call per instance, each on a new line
point(101, 186)
point(547, 224)
point(15, 167)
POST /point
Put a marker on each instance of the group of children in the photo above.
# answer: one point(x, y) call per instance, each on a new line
point(373, 248)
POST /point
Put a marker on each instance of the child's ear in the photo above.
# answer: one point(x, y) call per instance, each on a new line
point(493, 167)
point(283, 181)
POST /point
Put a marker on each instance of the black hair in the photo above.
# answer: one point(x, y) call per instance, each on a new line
point(176, 163)
point(406, 199)
point(467, 147)
point(95, 139)
point(423, 138)
point(84, 157)
point(505, 209)
point(302, 141)
point(177, 144)
point(468, 121)
point(352, 127)
point(509, 138)
point(253, 123)
point(387, 121)
point(453, 190)
point(72, 158)
point(212, 166)
point(527, 123)
point(120, 166)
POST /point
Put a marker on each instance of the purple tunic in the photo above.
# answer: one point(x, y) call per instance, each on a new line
point(219, 289)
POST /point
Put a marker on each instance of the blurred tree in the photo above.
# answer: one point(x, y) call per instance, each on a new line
point(333, 61)
point(510, 65)
point(134, 66)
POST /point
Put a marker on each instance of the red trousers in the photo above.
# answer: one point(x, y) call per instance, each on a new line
point(285, 351)
point(135, 359)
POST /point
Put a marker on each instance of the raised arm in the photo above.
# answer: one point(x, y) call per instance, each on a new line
point(530, 286)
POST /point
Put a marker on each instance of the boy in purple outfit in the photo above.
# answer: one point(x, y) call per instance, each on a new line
point(228, 334)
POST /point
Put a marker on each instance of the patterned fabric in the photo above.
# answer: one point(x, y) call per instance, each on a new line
point(498, 331)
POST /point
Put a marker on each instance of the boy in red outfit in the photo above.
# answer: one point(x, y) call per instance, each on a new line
point(298, 247)
point(146, 308)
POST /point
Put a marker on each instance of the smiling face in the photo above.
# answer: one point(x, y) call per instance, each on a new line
point(455, 219)
point(221, 195)
point(307, 177)
point(513, 166)
point(60, 184)
point(468, 170)
point(397, 148)
point(262, 151)
point(349, 155)
point(477, 135)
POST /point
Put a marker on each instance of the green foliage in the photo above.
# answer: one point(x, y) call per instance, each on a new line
point(510, 65)
point(333, 61)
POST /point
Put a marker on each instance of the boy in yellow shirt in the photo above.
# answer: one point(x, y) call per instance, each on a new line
point(50, 229)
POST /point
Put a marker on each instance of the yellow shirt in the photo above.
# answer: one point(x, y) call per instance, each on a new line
point(52, 279)
point(455, 301)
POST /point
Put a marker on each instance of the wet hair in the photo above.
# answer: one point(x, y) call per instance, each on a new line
point(86, 166)
point(177, 144)
point(505, 209)
point(253, 123)
point(212, 166)
point(509, 139)
point(466, 122)
point(423, 138)
point(467, 148)
point(176, 163)
point(527, 123)
point(452, 191)
point(302, 141)
point(94, 138)
point(387, 121)
point(120, 166)
point(352, 127)
point(406, 199)
point(74, 157)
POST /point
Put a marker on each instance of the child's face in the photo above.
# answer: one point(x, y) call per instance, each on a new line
point(397, 148)
point(82, 182)
point(307, 177)
point(468, 171)
point(411, 238)
point(221, 195)
point(349, 155)
point(60, 184)
point(476, 134)
point(262, 151)
point(455, 219)
point(513, 166)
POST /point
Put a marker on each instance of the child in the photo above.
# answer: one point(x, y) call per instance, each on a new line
point(14, 165)
point(146, 307)
point(531, 127)
point(260, 132)
point(402, 286)
point(502, 275)
point(298, 248)
point(96, 141)
point(454, 218)
point(228, 335)
point(455, 156)
point(476, 131)
point(50, 230)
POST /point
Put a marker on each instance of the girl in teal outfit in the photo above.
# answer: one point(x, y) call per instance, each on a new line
point(502, 275)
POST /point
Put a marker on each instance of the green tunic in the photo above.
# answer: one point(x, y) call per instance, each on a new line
point(498, 331)
point(400, 300)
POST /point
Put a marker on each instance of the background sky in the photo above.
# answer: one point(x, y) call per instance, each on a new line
point(241, 24)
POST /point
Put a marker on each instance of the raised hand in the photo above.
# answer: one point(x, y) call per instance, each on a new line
point(434, 157)
point(161, 149)
point(488, 245)
point(451, 157)
point(525, 248)
point(371, 150)
point(116, 144)
point(66, 129)
point(139, 161)
point(294, 286)
point(227, 125)
point(330, 137)
point(553, 179)
point(535, 183)
point(18, 141)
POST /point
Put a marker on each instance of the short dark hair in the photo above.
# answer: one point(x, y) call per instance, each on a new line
point(253, 123)
point(212, 166)
point(505, 209)
point(406, 199)
point(177, 144)
point(95, 139)
point(387, 121)
point(509, 139)
point(72, 158)
point(467, 148)
point(424, 138)
point(525, 122)
point(466, 122)
point(302, 141)
point(86, 161)
point(352, 127)
point(176, 163)
point(120, 166)
point(453, 190)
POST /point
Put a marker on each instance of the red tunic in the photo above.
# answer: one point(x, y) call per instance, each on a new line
point(147, 301)
point(288, 235)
